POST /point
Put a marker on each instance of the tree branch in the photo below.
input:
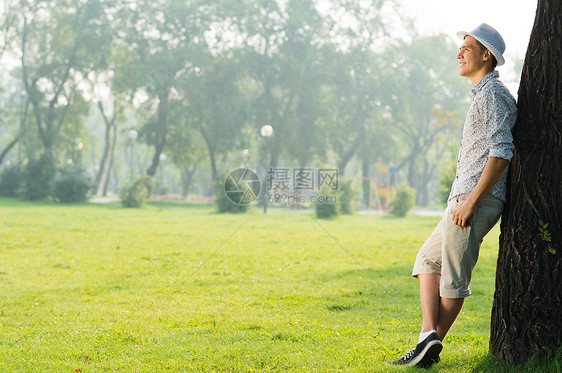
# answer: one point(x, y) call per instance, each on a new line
point(8, 148)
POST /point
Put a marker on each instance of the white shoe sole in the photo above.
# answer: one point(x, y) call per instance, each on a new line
point(431, 351)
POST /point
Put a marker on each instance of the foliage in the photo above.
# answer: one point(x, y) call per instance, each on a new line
point(346, 197)
point(327, 205)
point(446, 178)
point(72, 185)
point(38, 177)
point(11, 180)
point(200, 96)
point(544, 234)
point(224, 204)
point(403, 201)
point(61, 44)
point(134, 193)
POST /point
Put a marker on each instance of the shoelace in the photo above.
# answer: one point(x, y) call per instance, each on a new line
point(409, 355)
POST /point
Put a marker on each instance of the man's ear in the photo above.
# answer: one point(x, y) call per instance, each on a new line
point(487, 55)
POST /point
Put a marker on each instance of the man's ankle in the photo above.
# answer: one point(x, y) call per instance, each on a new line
point(424, 335)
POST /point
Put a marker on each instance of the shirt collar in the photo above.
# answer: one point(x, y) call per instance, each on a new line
point(491, 75)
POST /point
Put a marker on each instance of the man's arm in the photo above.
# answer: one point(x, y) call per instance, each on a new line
point(491, 174)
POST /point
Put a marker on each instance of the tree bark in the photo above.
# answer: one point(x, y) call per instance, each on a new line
point(528, 299)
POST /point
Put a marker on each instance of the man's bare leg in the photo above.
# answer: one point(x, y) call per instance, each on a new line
point(430, 301)
point(438, 313)
point(448, 311)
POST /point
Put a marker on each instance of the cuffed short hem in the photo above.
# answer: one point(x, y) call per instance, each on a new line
point(463, 292)
point(425, 270)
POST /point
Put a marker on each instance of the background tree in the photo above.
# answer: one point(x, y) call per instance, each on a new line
point(222, 115)
point(168, 39)
point(527, 302)
point(61, 43)
point(8, 26)
point(359, 73)
point(186, 147)
point(427, 95)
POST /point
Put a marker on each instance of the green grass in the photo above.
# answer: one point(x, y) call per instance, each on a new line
point(176, 287)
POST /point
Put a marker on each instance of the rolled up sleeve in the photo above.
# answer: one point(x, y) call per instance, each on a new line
point(501, 113)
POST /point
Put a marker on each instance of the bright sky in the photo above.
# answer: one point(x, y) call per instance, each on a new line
point(513, 20)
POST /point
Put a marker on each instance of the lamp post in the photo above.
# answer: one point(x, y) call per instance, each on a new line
point(78, 145)
point(22, 122)
point(132, 135)
point(162, 158)
point(245, 156)
point(265, 132)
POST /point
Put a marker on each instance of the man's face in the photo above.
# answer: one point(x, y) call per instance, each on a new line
point(471, 57)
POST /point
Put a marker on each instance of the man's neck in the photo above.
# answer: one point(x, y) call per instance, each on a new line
point(477, 76)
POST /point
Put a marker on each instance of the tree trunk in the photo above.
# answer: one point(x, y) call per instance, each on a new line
point(106, 147)
point(162, 132)
point(424, 178)
point(365, 184)
point(111, 160)
point(8, 148)
point(186, 177)
point(528, 299)
point(350, 153)
point(212, 159)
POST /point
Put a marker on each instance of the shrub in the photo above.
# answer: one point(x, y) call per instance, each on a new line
point(11, 180)
point(403, 201)
point(134, 194)
point(327, 206)
point(446, 178)
point(224, 203)
point(38, 177)
point(346, 197)
point(72, 185)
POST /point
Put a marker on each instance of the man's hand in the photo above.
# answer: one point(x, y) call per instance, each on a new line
point(491, 174)
point(463, 213)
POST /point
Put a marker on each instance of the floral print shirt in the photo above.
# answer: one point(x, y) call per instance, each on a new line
point(486, 133)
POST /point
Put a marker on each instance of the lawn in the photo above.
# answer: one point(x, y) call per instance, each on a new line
point(178, 287)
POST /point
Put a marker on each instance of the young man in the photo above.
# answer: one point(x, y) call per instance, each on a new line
point(444, 264)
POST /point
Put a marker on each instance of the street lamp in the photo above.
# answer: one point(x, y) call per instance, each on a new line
point(132, 135)
point(265, 132)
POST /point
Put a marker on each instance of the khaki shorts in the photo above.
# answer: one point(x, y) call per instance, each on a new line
point(452, 251)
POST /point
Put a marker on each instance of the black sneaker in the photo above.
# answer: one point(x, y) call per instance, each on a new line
point(424, 355)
